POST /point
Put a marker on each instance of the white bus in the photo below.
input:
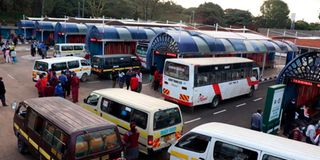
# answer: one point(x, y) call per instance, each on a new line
point(198, 81)
point(218, 141)
point(69, 49)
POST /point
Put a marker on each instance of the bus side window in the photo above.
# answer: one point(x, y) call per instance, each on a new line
point(224, 150)
point(270, 157)
point(73, 64)
point(35, 122)
point(22, 111)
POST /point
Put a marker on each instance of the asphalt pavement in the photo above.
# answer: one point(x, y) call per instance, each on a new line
point(17, 78)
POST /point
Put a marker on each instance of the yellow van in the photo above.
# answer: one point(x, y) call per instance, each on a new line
point(159, 122)
point(75, 64)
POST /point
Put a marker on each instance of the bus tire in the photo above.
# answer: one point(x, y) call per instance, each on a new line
point(250, 94)
point(215, 102)
point(22, 146)
point(84, 77)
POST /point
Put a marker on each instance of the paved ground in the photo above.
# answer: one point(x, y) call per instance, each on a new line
point(17, 78)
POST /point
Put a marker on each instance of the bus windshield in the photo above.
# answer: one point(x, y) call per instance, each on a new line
point(96, 142)
point(166, 118)
point(41, 66)
point(178, 71)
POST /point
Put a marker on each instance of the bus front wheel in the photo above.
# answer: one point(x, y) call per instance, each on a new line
point(84, 77)
point(215, 102)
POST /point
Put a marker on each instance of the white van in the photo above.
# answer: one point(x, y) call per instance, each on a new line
point(218, 141)
point(69, 49)
point(159, 122)
point(76, 64)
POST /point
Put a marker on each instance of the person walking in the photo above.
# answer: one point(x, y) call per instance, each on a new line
point(13, 54)
point(7, 55)
point(39, 85)
point(153, 68)
point(33, 49)
point(290, 113)
point(256, 120)
point(49, 90)
point(134, 84)
point(114, 77)
point(156, 80)
point(121, 79)
point(129, 74)
point(2, 93)
point(130, 139)
point(68, 84)
point(139, 76)
point(63, 80)
point(75, 85)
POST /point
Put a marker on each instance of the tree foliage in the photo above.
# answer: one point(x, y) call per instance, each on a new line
point(237, 17)
point(209, 13)
point(275, 13)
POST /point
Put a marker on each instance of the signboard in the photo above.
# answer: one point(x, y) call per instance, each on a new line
point(276, 104)
point(273, 108)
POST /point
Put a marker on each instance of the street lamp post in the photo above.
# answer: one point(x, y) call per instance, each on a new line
point(42, 8)
point(83, 8)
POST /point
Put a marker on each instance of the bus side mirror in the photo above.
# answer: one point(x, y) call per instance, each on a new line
point(85, 100)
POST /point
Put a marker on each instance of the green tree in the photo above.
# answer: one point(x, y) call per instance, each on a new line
point(209, 13)
point(275, 13)
point(301, 25)
point(96, 7)
point(237, 17)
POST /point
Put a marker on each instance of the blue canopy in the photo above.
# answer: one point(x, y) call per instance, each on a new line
point(26, 24)
point(45, 25)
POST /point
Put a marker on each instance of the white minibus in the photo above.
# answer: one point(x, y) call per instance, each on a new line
point(197, 81)
point(69, 49)
point(219, 141)
point(159, 122)
point(75, 64)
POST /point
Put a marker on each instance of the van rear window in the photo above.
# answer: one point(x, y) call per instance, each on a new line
point(41, 66)
point(166, 118)
point(96, 142)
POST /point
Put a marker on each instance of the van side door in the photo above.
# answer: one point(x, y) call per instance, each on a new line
point(35, 128)
point(75, 67)
point(269, 156)
point(191, 146)
point(85, 67)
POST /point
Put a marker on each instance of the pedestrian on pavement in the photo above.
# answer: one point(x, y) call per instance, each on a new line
point(49, 90)
point(58, 91)
point(129, 74)
point(290, 113)
point(134, 84)
point(311, 133)
point(75, 84)
point(63, 80)
point(121, 79)
point(139, 76)
point(2, 93)
point(33, 48)
point(296, 133)
point(53, 79)
point(44, 49)
point(68, 84)
point(114, 77)
point(256, 120)
point(156, 80)
point(39, 48)
point(153, 68)
point(39, 85)
point(7, 55)
point(130, 139)
point(13, 54)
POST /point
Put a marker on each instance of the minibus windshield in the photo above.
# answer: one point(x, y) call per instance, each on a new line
point(166, 118)
point(40, 66)
point(96, 142)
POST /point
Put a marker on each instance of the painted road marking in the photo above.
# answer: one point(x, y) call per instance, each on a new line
point(10, 76)
point(94, 82)
point(197, 119)
point(241, 105)
point(258, 99)
point(219, 112)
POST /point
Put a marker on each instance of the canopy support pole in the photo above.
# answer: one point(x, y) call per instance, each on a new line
point(103, 44)
point(41, 35)
point(263, 64)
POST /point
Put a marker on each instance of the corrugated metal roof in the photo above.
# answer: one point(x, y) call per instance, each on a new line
point(45, 25)
point(145, 103)
point(65, 114)
point(26, 24)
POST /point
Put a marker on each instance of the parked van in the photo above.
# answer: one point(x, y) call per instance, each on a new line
point(76, 64)
point(69, 49)
point(102, 65)
point(218, 141)
point(159, 122)
point(55, 128)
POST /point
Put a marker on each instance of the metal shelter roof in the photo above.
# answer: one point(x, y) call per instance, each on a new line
point(70, 28)
point(26, 24)
point(45, 25)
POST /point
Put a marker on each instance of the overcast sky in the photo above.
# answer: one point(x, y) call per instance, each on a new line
point(307, 10)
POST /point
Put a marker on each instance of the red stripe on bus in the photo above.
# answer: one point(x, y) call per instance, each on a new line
point(188, 104)
point(250, 82)
point(216, 89)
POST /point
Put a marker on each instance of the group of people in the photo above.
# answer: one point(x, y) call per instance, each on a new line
point(133, 79)
point(9, 52)
point(40, 48)
point(52, 85)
